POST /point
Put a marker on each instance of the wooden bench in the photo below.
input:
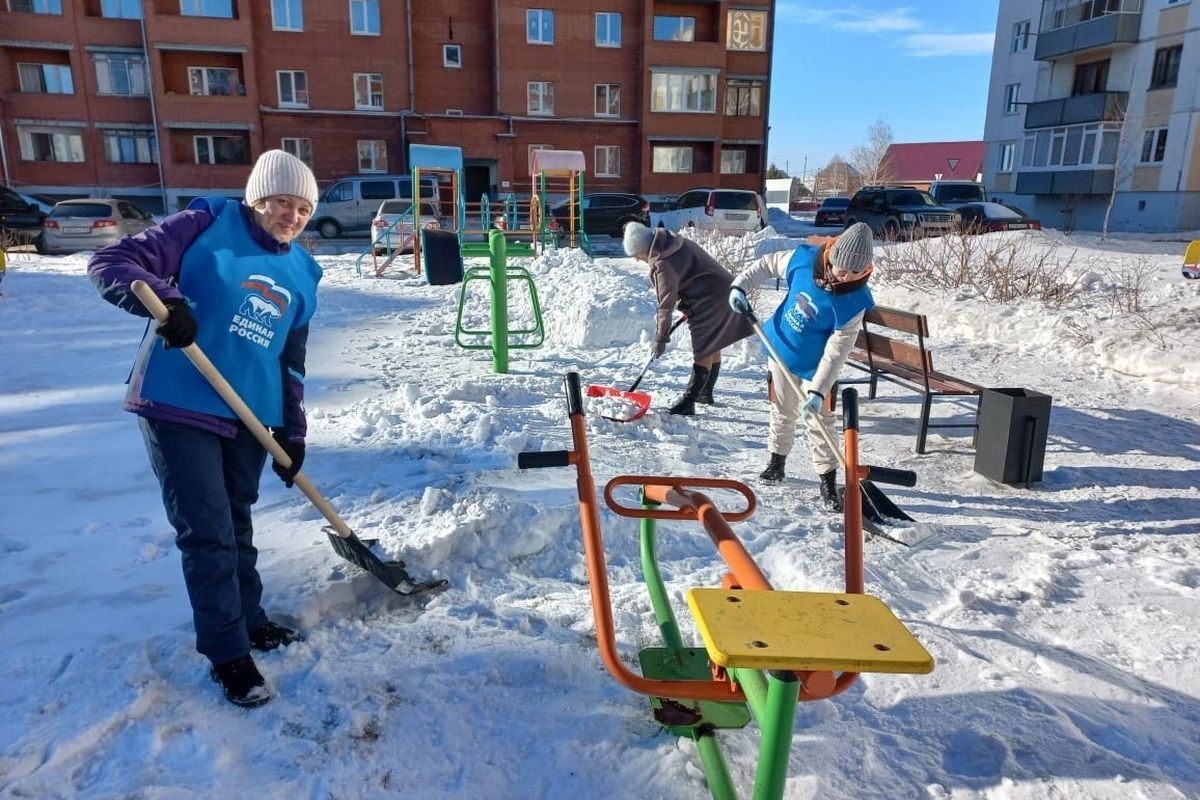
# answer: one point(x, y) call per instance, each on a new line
point(906, 364)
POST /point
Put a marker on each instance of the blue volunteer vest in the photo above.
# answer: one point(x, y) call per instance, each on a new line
point(245, 301)
point(804, 321)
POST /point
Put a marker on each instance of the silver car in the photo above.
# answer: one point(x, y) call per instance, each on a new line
point(90, 224)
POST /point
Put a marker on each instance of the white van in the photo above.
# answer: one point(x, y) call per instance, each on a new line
point(349, 205)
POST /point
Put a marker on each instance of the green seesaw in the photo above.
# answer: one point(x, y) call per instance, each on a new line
point(497, 274)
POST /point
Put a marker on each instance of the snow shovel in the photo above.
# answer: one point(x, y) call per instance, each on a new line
point(878, 511)
point(639, 399)
point(345, 543)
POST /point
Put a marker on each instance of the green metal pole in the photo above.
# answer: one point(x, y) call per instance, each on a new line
point(499, 263)
point(654, 583)
point(720, 784)
point(776, 725)
point(754, 685)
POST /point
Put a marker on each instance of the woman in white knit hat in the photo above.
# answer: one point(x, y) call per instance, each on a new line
point(813, 331)
point(233, 282)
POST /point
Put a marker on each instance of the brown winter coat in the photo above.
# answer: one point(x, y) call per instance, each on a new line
point(684, 274)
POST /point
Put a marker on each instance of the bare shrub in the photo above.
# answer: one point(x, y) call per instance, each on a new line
point(734, 253)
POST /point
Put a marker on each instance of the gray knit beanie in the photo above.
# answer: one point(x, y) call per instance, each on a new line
point(637, 239)
point(854, 249)
point(278, 172)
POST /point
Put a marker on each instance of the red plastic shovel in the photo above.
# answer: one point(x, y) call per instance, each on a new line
point(640, 399)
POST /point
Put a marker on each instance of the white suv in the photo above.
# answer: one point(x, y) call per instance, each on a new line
point(726, 210)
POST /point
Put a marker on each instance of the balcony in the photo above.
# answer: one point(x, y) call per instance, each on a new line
point(1066, 181)
point(1077, 27)
point(1099, 107)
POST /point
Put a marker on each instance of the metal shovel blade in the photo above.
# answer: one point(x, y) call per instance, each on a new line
point(392, 573)
point(639, 399)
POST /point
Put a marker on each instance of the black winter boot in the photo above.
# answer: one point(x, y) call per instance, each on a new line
point(705, 397)
point(829, 491)
point(270, 635)
point(774, 471)
point(686, 405)
point(241, 681)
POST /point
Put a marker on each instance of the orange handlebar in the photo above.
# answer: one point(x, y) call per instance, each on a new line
point(673, 491)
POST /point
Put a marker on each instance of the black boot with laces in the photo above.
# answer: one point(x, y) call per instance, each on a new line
point(241, 681)
point(270, 635)
point(829, 491)
point(774, 471)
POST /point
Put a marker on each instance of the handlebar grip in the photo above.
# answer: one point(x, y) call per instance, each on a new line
point(574, 396)
point(899, 477)
point(536, 459)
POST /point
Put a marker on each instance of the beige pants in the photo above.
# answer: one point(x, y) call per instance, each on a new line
point(785, 412)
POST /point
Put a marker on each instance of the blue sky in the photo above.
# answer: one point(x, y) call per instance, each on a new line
point(838, 67)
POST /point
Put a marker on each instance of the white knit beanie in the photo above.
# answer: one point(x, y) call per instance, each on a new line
point(278, 172)
point(854, 249)
point(637, 239)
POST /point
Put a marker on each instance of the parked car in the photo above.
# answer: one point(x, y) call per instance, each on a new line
point(954, 193)
point(350, 204)
point(602, 213)
point(899, 212)
point(91, 223)
point(725, 210)
point(20, 220)
point(832, 211)
point(392, 226)
point(988, 217)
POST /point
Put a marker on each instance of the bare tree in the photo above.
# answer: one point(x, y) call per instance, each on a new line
point(1123, 158)
point(868, 158)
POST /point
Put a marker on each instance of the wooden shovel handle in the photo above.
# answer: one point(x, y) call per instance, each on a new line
point(230, 396)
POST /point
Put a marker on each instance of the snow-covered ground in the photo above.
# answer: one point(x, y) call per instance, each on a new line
point(1063, 618)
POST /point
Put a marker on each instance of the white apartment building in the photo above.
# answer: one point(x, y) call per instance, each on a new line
point(1089, 98)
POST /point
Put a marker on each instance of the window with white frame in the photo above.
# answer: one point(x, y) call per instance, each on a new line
point(743, 98)
point(1020, 40)
point(222, 9)
point(46, 78)
point(368, 91)
point(222, 149)
point(1076, 146)
point(608, 29)
point(130, 147)
point(1012, 98)
point(674, 29)
point(540, 98)
point(733, 161)
point(293, 88)
point(36, 6)
point(213, 81)
point(608, 100)
point(121, 9)
point(364, 17)
point(121, 74)
point(671, 159)
point(683, 91)
point(539, 26)
point(287, 15)
point(608, 161)
point(301, 148)
point(1154, 146)
point(1008, 154)
point(372, 155)
point(452, 56)
point(746, 30)
point(51, 144)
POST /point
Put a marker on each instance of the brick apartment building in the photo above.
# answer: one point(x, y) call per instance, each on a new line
point(158, 101)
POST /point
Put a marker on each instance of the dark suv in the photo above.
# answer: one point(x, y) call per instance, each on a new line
point(899, 212)
point(20, 222)
point(603, 213)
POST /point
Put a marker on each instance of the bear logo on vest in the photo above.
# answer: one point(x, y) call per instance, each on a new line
point(265, 303)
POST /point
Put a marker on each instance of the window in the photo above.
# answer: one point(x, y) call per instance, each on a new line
point(674, 29)
point(1154, 146)
point(1082, 146)
point(540, 97)
point(743, 98)
point(37, 7)
point(213, 81)
point(539, 26)
point(130, 147)
point(287, 15)
point(1008, 151)
point(733, 161)
point(683, 92)
point(747, 30)
point(608, 161)
point(121, 9)
point(368, 91)
point(1166, 67)
point(452, 56)
point(364, 17)
point(1012, 98)
point(608, 99)
point(671, 159)
point(293, 88)
point(121, 74)
point(46, 78)
point(49, 144)
point(217, 149)
point(1020, 40)
point(300, 148)
point(1090, 78)
point(608, 29)
point(372, 155)
point(206, 8)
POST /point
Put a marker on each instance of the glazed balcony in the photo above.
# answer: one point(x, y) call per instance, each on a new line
point(1070, 27)
point(1098, 107)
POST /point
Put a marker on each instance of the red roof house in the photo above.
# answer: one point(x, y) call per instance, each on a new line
point(920, 163)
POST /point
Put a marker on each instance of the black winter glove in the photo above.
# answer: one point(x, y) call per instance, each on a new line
point(295, 451)
point(180, 328)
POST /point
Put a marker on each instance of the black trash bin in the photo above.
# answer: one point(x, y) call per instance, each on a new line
point(1011, 443)
point(443, 261)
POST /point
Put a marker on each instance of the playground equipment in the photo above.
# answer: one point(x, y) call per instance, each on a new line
point(1191, 260)
point(763, 648)
point(440, 161)
point(545, 166)
point(498, 273)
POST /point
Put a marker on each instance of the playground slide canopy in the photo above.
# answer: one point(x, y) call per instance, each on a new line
point(556, 161)
point(435, 156)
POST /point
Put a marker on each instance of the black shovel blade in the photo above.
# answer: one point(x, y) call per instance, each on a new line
point(881, 507)
point(392, 573)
